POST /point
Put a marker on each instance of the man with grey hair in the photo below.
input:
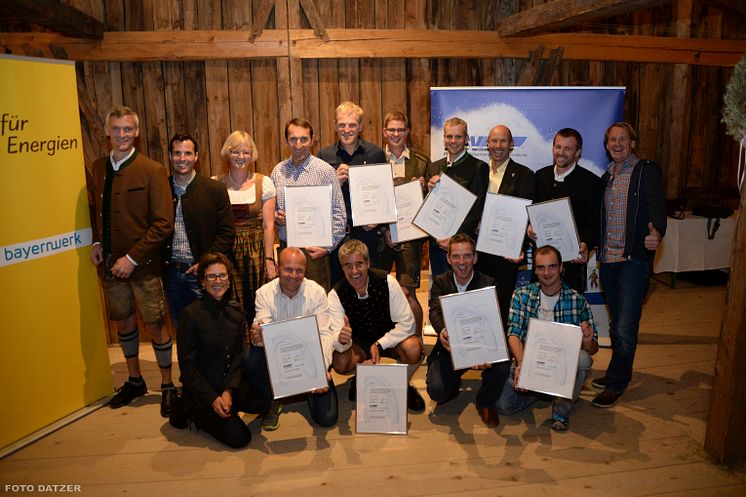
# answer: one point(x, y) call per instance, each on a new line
point(371, 318)
point(131, 218)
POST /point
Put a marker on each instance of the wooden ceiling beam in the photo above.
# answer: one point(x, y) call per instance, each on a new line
point(737, 7)
point(559, 14)
point(57, 16)
point(139, 46)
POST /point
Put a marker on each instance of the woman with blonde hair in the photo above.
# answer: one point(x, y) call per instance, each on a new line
point(252, 198)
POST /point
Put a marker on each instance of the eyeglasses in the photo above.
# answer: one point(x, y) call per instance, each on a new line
point(236, 153)
point(393, 131)
point(216, 276)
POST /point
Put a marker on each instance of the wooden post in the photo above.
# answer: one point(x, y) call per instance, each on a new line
point(725, 438)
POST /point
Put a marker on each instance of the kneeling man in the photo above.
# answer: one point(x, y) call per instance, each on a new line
point(370, 318)
point(288, 296)
point(552, 300)
point(443, 382)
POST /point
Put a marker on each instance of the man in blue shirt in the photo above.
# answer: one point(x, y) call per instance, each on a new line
point(551, 300)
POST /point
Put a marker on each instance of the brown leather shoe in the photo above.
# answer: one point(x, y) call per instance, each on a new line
point(489, 416)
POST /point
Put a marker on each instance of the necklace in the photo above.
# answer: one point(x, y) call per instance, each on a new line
point(236, 183)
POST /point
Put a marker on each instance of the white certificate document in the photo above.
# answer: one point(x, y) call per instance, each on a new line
point(372, 194)
point(408, 202)
point(554, 224)
point(503, 226)
point(550, 358)
point(444, 208)
point(294, 357)
point(308, 216)
point(381, 398)
point(475, 328)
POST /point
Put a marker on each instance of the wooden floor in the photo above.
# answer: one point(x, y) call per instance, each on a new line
point(649, 444)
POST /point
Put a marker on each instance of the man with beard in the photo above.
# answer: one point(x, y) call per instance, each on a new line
point(566, 178)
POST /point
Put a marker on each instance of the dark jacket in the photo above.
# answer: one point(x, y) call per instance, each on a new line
point(366, 153)
point(584, 189)
point(518, 181)
point(443, 284)
point(474, 175)
point(210, 336)
point(646, 202)
point(208, 218)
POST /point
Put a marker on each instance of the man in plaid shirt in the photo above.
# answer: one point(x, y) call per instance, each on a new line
point(551, 300)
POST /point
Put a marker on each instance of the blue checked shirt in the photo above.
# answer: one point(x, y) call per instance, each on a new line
point(571, 308)
point(181, 251)
point(311, 172)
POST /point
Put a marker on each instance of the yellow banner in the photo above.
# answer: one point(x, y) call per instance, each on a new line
point(53, 356)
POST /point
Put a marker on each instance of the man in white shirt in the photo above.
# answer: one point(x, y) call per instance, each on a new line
point(371, 318)
point(288, 296)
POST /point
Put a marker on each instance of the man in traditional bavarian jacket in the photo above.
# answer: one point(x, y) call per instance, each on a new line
point(370, 318)
point(131, 218)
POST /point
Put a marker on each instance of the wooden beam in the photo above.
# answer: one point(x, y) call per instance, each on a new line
point(737, 7)
point(261, 18)
point(725, 438)
point(57, 16)
point(529, 72)
point(379, 43)
point(314, 18)
point(558, 14)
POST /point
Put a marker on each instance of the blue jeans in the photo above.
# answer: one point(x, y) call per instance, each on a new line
point(625, 285)
point(181, 290)
point(438, 261)
point(324, 407)
point(443, 382)
point(511, 401)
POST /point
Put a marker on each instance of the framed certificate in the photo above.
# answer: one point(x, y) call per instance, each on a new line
point(475, 328)
point(550, 358)
point(444, 208)
point(408, 202)
point(308, 216)
point(381, 399)
point(294, 357)
point(372, 194)
point(554, 224)
point(503, 226)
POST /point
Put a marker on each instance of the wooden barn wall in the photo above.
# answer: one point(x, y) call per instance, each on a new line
point(676, 109)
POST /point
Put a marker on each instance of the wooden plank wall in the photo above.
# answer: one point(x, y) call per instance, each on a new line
point(212, 98)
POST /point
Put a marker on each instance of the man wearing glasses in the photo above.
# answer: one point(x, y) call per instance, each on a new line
point(407, 165)
point(351, 150)
point(131, 218)
point(203, 222)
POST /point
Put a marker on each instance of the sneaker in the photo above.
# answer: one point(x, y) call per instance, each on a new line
point(352, 393)
point(607, 398)
point(415, 401)
point(559, 425)
point(168, 395)
point(271, 420)
point(599, 383)
point(127, 393)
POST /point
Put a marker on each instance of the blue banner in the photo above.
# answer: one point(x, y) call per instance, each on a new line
point(533, 114)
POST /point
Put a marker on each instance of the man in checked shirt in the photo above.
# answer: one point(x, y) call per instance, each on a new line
point(304, 169)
